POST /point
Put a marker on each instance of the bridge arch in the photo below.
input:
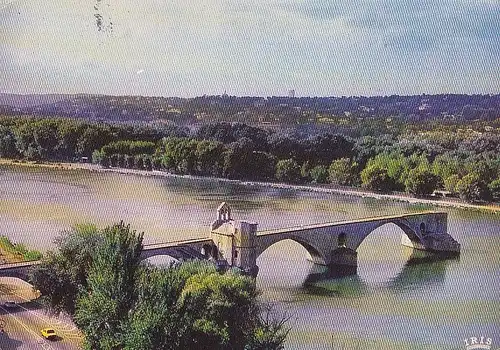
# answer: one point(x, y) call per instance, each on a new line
point(316, 254)
point(160, 259)
point(416, 238)
point(385, 266)
point(210, 251)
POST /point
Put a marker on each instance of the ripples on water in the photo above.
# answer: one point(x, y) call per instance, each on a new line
point(397, 300)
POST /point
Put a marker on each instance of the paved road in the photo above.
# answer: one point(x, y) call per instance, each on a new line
point(24, 322)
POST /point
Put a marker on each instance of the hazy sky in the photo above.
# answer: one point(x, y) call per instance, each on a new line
point(250, 47)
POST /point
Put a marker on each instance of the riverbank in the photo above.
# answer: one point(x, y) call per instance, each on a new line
point(350, 191)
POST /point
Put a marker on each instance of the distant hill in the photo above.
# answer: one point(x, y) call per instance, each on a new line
point(270, 111)
point(21, 101)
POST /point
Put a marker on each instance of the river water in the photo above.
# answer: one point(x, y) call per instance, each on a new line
point(393, 302)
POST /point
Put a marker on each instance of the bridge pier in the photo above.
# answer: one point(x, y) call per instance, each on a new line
point(344, 262)
point(332, 244)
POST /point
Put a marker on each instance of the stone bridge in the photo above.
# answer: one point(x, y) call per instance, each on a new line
point(331, 244)
point(180, 250)
point(234, 243)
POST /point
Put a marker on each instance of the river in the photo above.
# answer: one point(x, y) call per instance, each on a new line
point(391, 303)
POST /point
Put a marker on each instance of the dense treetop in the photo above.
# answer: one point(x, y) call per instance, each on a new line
point(463, 159)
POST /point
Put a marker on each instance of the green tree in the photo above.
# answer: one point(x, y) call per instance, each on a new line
point(45, 135)
point(445, 166)
point(287, 170)
point(124, 304)
point(376, 178)
point(7, 143)
point(494, 187)
point(472, 188)
point(450, 183)
point(113, 160)
point(91, 138)
point(105, 161)
point(25, 141)
point(343, 172)
point(139, 162)
point(129, 161)
point(396, 166)
point(179, 155)
point(319, 174)
point(262, 166)
point(62, 274)
point(68, 133)
point(305, 171)
point(210, 157)
point(103, 307)
point(148, 164)
point(238, 159)
point(421, 182)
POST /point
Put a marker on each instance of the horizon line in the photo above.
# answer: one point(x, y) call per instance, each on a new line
point(254, 96)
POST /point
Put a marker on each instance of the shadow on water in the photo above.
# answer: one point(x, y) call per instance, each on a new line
point(340, 281)
point(421, 270)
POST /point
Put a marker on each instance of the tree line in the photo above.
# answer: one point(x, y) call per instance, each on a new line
point(463, 162)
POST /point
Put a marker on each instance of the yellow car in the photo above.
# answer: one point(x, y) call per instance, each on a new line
point(48, 333)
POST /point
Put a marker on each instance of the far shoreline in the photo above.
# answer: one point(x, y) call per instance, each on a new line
point(350, 191)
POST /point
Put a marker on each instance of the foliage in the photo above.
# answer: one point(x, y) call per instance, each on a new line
point(305, 171)
point(7, 143)
point(287, 170)
point(450, 183)
point(319, 174)
point(324, 148)
point(209, 157)
point(448, 149)
point(343, 172)
point(129, 147)
point(494, 188)
point(129, 161)
point(227, 133)
point(375, 178)
point(396, 165)
point(285, 146)
point(472, 188)
point(120, 303)
point(65, 139)
point(445, 166)
point(421, 182)
point(238, 159)
point(63, 273)
point(103, 306)
point(19, 249)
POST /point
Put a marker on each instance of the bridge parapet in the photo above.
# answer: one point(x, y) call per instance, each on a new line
point(329, 244)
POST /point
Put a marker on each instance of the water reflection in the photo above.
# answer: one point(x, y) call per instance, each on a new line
point(340, 281)
point(421, 270)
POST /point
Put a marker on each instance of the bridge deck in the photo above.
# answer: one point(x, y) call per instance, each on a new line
point(146, 248)
point(340, 223)
point(175, 243)
point(19, 264)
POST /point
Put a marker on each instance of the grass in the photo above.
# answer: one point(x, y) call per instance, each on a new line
point(17, 252)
